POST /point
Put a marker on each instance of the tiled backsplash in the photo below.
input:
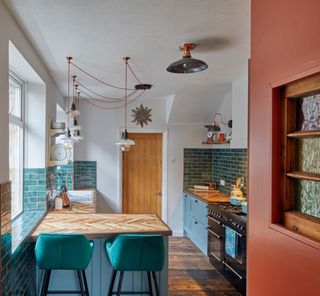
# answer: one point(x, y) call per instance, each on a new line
point(197, 166)
point(18, 270)
point(34, 189)
point(60, 174)
point(85, 174)
point(204, 165)
point(228, 165)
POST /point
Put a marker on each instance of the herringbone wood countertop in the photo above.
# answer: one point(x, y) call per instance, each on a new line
point(101, 225)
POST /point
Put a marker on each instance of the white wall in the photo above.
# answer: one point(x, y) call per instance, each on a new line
point(226, 111)
point(240, 113)
point(9, 30)
point(35, 128)
point(101, 130)
point(180, 137)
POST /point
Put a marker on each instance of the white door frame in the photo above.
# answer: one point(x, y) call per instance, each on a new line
point(164, 133)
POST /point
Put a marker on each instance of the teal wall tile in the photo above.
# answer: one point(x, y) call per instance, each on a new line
point(229, 164)
point(34, 189)
point(197, 167)
point(85, 174)
point(212, 165)
point(19, 269)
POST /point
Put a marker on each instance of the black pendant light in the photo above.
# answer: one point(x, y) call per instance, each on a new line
point(187, 64)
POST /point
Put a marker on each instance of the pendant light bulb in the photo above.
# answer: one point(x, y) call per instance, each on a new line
point(73, 112)
point(75, 125)
point(125, 142)
point(78, 137)
point(68, 141)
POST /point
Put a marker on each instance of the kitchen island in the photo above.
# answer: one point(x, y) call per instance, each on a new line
point(99, 228)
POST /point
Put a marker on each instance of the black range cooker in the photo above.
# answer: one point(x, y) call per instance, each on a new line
point(221, 216)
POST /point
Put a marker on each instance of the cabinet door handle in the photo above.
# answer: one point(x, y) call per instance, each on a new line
point(237, 274)
point(195, 222)
point(195, 200)
point(216, 235)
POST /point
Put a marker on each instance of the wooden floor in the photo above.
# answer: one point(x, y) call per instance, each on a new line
point(190, 273)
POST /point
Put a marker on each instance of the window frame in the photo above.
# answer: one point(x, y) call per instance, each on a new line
point(20, 123)
point(290, 218)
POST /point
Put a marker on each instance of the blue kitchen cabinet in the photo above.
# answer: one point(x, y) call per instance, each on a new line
point(195, 221)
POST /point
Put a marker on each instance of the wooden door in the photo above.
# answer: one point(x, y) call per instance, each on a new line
point(142, 175)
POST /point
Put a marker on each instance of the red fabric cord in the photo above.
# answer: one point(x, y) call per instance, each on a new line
point(112, 108)
point(114, 100)
point(97, 79)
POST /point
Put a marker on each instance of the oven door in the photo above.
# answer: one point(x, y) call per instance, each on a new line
point(238, 264)
point(216, 235)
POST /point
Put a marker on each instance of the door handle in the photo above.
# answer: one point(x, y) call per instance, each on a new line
point(236, 273)
point(216, 235)
point(158, 193)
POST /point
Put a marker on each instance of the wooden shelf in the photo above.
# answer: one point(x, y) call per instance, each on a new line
point(216, 142)
point(304, 134)
point(52, 163)
point(56, 132)
point(304, 176)
point(303, 223)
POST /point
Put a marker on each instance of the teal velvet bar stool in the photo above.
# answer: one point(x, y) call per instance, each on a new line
point(136, 252)
point(64, 252)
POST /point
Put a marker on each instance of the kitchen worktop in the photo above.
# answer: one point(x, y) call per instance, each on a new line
point(209, 197)
point(78, 208)
point(100, 225)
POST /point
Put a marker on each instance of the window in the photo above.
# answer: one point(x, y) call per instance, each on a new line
point(16, 139)
point(300, 190)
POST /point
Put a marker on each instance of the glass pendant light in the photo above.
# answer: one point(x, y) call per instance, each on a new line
point(78, 137)
point(187, 64)
point(125, 142)
point(75, 126)
point(68, 140)
point(73, 112)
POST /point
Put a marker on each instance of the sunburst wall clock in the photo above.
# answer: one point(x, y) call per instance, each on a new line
point(141, 115)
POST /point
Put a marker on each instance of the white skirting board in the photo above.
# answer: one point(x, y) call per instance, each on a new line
point(177, 232)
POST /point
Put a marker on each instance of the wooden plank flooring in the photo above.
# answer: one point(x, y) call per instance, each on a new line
point(190, 273)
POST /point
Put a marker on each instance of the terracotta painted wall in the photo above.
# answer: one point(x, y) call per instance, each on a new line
point(285, 43)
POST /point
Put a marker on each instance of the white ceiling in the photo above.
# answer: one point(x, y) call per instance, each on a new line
point(99, 33)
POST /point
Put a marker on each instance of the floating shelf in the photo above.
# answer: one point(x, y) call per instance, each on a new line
point(56, 132)
point(52, 163)
point(216, 142)
point(304, 134)
point(304, 176)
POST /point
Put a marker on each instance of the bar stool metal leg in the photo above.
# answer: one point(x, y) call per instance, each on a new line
point(149, 282)
point(45, 284)
point(156, 283)
point(81, 283)
point(85, 282)
point(120, 283)
point(113, 278)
